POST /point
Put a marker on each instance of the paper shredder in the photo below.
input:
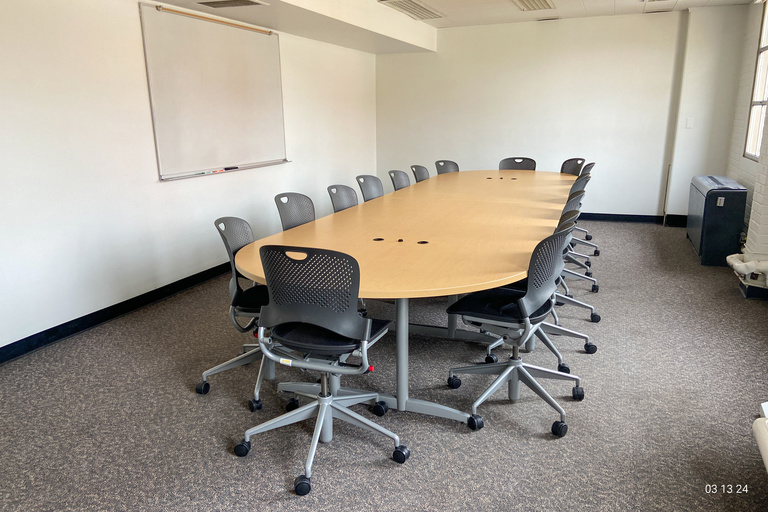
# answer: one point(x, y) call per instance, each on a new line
point(715, 217)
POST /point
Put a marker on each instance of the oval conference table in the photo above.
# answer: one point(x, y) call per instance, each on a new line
point(451, 234)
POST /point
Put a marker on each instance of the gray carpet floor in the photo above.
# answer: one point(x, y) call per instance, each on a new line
point(108, 419)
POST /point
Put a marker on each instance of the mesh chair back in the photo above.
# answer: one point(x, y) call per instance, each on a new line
point(567, 217)
point(444, 166)
point(295, 209)
point(399, 179)
point(342, 197)
point(572, 166)
point(587, 169)
point(370, 186)
point(580, 183)
point(313, 286)
point(420, 173)
point(518, 163)
point(235, 233)
point(545, 267)
point(574, 201)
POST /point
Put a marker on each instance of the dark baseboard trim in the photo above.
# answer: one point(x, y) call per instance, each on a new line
point(676, 221)
point(54, 334)
point(657, 219)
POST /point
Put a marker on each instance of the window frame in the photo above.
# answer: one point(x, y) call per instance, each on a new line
point(758, 105)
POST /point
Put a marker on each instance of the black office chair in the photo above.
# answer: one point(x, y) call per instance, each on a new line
point(518, 315)
point(370, 186)
point(446, 166)
point(586, 172)
point(342, 197)
point(312, 311)
point(245, 302)
point(295, 209)
point(572, 210)
point(572, 166)
point(568, 218)
point(518, 163)
point(578, 186)
point(574, 203)
point(420, 173)
point(399, 179)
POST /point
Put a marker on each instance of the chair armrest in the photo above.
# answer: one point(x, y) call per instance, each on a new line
point(268, 349)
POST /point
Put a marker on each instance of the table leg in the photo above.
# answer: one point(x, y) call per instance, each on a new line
point(404, 402)
point(402, 353)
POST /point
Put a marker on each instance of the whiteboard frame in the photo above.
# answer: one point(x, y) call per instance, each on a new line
point(214, 170)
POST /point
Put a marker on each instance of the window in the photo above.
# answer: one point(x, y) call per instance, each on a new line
point(759, 101)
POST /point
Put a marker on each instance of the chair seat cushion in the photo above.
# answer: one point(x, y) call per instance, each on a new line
point(499, 304)
point(318, 341)
point(251, 299)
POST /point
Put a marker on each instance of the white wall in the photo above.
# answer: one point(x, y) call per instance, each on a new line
point(707, 99)
point(86, 223)
point(598, 88)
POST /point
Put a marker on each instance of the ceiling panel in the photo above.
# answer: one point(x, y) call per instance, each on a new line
point(298, 17)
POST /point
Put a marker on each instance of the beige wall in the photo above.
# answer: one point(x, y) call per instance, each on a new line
point(598, 88)
point(86, 224)
point(712, 61)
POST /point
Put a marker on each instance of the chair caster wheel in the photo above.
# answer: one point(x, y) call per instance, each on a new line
point(454, 382)
point(401, 454)
point(559, 428)
point(301, 485)
point(292, 405)
point(588, 263)
point(597, 252)
point(587, 237)
point(559, 303)
point(380, 408)
point(590, 348)
point(563, 368)
point(491, 358)
point(254, 405)
point(578, 393)
point(203, 388)
point(569, 295)
point(243, 448)
point(588, 274)
point(595, 288)
point(594, 317)
point(475, 422)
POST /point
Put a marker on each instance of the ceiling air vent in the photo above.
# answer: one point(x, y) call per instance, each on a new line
point(412, 8)
point(218, 4)
point(534, 5)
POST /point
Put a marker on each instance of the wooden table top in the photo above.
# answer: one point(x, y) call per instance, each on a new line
point(453, 233)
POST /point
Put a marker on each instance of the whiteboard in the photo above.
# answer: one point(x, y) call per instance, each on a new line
point(215, 94)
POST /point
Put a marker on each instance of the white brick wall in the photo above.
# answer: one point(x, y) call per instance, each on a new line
point(757, 235)
point(753, 175)
point(744, 170)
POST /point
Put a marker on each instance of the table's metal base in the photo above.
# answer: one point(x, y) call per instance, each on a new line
point(403, 328)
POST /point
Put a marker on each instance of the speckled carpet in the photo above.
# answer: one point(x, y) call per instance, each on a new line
point(108, 419)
